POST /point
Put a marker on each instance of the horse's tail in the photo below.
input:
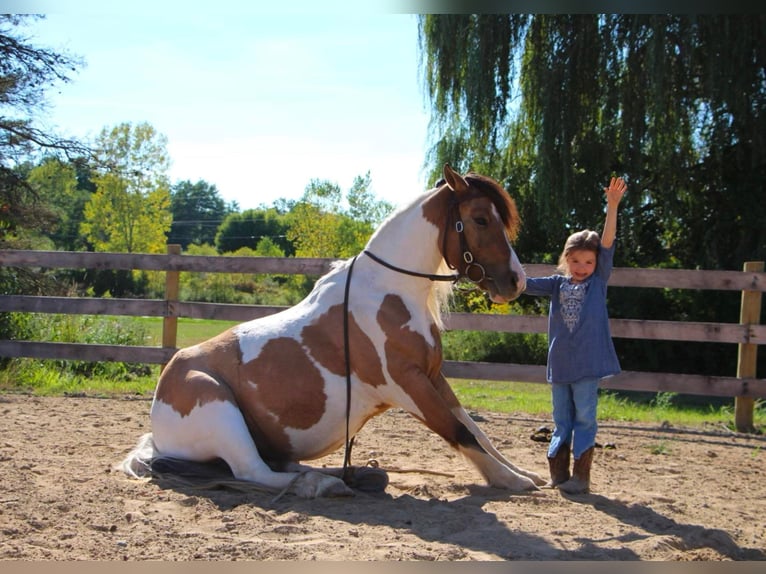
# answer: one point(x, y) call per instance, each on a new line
point(138, 462)
point(145, 461)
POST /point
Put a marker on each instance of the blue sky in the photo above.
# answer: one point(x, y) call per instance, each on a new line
point(256, 102)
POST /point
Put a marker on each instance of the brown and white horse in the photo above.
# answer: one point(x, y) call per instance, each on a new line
point(294, 386)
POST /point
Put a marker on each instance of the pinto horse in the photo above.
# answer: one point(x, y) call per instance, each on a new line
point(295, 385)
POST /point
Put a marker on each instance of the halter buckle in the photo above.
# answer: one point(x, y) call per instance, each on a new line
point(459, 226)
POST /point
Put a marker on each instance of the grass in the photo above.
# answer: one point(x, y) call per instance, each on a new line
point(533, 399)
point(190, 331)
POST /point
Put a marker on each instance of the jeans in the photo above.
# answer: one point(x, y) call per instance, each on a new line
point(574, 416)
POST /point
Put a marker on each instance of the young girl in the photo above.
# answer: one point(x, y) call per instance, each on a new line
point(580, 348)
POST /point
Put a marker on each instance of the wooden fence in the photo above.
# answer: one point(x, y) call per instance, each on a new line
point(748, 334)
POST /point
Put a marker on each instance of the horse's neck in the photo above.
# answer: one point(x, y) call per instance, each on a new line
point(407, 240)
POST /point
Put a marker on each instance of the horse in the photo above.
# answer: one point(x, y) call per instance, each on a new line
point(295, 386)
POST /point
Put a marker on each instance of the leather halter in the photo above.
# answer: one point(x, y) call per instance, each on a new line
point(467, 255)
point(470, 262)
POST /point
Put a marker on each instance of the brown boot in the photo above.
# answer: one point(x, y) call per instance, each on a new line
point(559, 466)
point(580, 481)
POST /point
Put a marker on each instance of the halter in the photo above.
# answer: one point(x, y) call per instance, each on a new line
point(467, 255)
point(470, 263)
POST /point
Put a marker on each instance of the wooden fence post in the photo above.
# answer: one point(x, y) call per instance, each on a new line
point(170, 321)
point(750, 313)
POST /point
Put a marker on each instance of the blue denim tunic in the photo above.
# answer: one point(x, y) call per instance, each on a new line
point(587, 351)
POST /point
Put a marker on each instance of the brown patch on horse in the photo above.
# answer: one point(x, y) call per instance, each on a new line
point(197, 389)
point(407, 349)
point(415, 365)
point(201, 380)
point(324, 339)
point(283, 363)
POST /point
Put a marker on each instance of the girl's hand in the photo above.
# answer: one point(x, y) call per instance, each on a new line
point(615, 191)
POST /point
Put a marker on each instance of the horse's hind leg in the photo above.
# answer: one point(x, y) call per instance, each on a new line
point(215, 428)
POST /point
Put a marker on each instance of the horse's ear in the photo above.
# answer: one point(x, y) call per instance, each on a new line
point(454, 179)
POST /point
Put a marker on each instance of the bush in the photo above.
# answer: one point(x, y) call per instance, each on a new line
point(77, 329)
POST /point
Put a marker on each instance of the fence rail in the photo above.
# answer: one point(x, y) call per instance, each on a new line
point(748, 334)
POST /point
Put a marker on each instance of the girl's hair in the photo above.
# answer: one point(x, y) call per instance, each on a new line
point(585, 240)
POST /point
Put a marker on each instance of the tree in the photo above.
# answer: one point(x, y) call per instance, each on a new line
point(56, 185)
point(363, 205)
point(249, 228)
point(198, 210)
point(320, 225)
point(26, 72)
point(130, 210)
point(552, 105)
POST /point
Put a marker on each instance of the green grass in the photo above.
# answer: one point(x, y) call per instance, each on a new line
point(47, 378)
point(533, 399)
point(190, 331)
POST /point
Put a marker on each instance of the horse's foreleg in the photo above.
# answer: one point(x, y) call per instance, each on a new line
point(446, 392)
point(436, 412)
point(487, 444)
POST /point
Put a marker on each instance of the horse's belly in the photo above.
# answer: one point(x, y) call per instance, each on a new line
point(308, 445)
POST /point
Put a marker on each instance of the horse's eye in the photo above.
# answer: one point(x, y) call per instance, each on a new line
point(480, 221)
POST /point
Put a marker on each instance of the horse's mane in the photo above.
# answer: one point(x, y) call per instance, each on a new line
point(504, 203)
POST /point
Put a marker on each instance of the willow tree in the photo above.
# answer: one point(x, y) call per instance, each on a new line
point(555, 104)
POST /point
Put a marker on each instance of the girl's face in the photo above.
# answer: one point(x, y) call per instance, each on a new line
point(582, 264)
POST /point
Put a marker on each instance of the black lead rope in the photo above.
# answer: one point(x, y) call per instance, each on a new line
point(347, 471)
point(349, 439)
point(430, 276)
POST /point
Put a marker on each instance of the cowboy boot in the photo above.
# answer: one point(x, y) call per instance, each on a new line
point(559, 466)
point(580, 481)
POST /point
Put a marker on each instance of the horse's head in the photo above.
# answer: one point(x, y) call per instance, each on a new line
point(478, 220)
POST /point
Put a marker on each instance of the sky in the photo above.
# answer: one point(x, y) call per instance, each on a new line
point(256, 102)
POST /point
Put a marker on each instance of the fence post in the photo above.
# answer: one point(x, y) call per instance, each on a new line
point(749, 313)
point(170, 321)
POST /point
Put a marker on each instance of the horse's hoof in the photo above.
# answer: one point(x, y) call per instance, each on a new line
point(537, 479)
point(319, 485)
point(368, 479)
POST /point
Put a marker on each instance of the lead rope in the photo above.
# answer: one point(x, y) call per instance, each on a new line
point(349, 439)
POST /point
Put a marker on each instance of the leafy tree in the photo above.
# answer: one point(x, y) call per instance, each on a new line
point(363, 205)
point(320, 226)
point(130, 210)
point(249, 228)
point(56, 184)
point(198, 210)
point(315, 233)
point(26, 72)
point(241, 288)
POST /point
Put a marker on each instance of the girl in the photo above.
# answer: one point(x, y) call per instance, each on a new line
point(580, 348)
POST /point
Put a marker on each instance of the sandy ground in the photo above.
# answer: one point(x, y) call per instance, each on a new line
point(661, 494)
